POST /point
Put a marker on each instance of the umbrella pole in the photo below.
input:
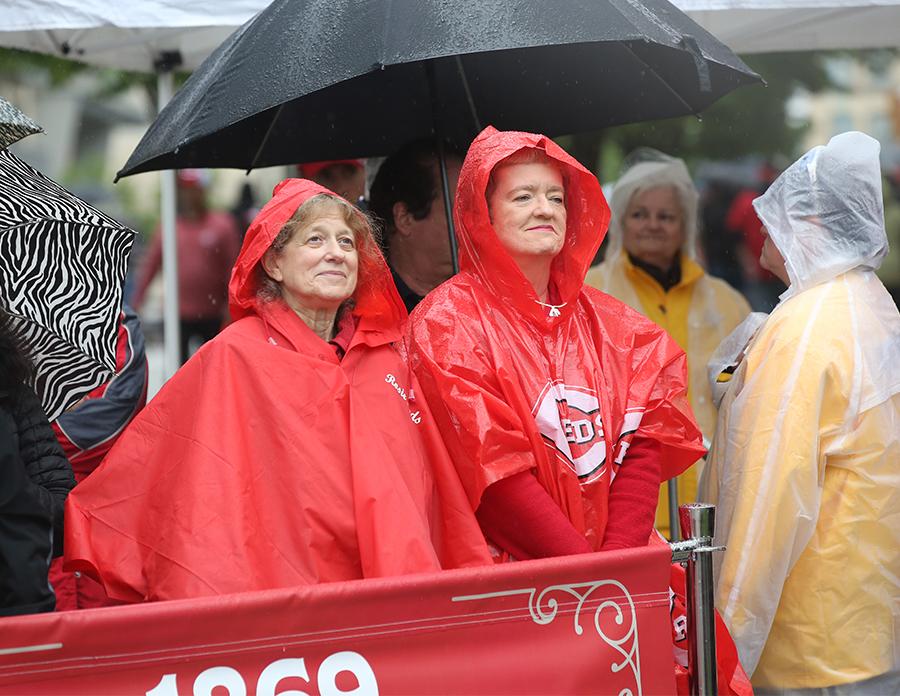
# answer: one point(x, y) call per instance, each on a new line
point(448, 208)
point(442, 165)
point(171, 327)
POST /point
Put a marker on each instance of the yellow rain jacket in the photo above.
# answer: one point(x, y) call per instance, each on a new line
point(697, 313)
point(805, 466)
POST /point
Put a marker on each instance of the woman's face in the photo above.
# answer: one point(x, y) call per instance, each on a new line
point(653, 228)
point(771, 259)
point(528, 209)
point(317, 267)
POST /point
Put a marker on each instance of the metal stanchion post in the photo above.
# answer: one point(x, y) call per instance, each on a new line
point(698, 521)
point(674, 534)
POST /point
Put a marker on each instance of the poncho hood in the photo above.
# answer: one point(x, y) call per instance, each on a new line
point(480, 250)
point(375, 299)
point(825, 212)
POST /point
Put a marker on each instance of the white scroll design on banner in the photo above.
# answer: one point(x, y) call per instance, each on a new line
point(544, 608)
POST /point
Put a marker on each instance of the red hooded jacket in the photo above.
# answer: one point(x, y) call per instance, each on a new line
point(515, 388)
point(267, 461)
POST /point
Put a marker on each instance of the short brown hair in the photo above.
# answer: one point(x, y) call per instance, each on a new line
point(365, 234)
point(411, 175)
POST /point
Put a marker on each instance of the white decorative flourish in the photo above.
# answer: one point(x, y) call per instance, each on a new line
point(544, 608)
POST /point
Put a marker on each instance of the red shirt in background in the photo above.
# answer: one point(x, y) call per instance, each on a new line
point(207, 249)
point(742, 220)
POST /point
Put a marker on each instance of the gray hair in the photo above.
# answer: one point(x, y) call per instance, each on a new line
point(659, 172)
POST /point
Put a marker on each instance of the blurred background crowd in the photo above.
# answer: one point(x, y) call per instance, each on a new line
point(94, 117)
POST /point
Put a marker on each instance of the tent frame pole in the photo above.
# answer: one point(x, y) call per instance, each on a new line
point(171, 325)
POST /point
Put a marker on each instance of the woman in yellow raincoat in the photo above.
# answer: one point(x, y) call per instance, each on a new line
point(651, 266)
point(805, 467)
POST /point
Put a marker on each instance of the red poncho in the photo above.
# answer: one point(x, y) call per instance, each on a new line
point(268, 462)
point(514, 388)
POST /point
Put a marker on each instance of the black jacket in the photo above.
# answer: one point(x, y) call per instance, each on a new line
point(45, 463)
point(26, 532)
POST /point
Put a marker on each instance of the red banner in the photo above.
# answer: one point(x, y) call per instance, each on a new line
point(595, 623)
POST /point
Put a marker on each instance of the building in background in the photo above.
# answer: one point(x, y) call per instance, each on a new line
point(866, 98)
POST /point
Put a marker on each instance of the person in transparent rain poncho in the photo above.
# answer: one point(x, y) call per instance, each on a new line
point(651, 265)
point(805, 466)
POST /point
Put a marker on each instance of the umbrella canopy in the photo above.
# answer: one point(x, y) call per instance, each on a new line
point(62, 263)
point(310, 80)
point(14, 125)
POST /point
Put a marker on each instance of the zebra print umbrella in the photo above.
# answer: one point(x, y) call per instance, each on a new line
point(14, 125)
point(62, 263)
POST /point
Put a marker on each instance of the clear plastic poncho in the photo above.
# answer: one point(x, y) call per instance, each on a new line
point(825, 212)
point(805, 466)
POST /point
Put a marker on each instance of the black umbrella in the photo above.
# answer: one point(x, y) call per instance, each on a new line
point(310, 80)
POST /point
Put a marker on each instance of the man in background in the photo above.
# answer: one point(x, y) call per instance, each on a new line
point(406, 196)
point(207, 245)
point(347, 178)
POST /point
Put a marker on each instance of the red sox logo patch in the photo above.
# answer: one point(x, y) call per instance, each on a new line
point(568, 418)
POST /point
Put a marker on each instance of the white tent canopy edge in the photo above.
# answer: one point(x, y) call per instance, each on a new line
point(762, 26)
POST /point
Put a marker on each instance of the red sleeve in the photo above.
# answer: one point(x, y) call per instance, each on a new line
point(150, 266)
point(633, 497)
point(518, 515)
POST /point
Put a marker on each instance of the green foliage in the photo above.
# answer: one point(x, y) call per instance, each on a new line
point(88, 169)
point(14, 64)
point(141, 220)
point(749, 121)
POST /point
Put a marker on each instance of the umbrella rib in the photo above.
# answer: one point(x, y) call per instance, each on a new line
point(669, 87)
point(465, 84)
point(265, 139)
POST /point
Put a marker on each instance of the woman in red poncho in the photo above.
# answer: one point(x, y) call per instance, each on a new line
point(561, 407)
point(291, 449)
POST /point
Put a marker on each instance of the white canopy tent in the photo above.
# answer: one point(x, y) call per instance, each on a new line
point(126, 35)
point(762, 26)
point(132, 35)
point(155, 36)
point(146, 35)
